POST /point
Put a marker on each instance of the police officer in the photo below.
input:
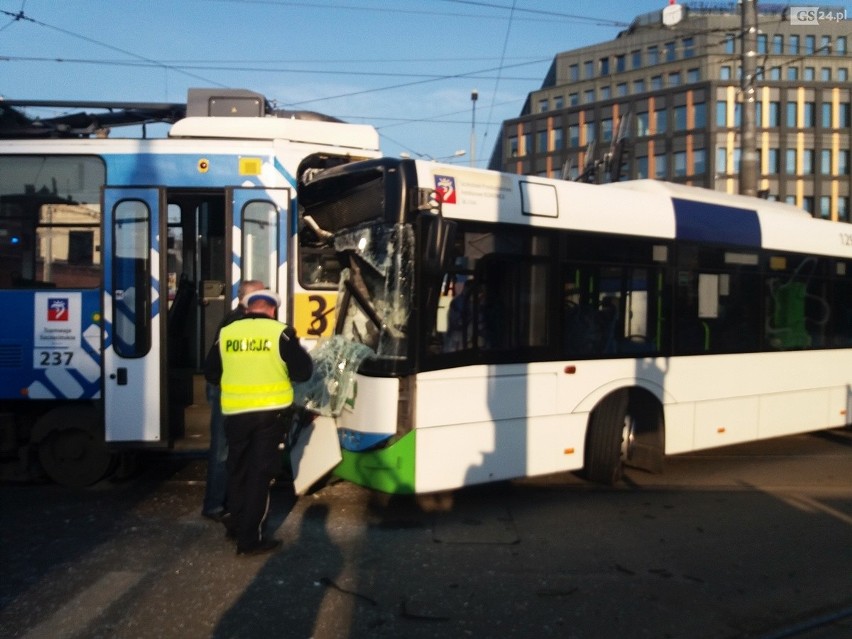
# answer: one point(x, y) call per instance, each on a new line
point(254, 362)
point(215, 492)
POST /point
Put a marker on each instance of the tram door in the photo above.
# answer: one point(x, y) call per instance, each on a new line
point(133, 305)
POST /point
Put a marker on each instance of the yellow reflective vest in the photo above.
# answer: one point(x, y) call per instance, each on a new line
point(254, 377)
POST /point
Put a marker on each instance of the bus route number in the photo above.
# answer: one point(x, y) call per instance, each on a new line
point(49, 359)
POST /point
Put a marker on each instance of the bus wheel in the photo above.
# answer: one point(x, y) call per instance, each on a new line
point(625, 429)
point(72, 451)
point(607, 439)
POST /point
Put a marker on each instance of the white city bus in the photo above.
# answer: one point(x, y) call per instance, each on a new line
point(120, 256)
point(522, 326)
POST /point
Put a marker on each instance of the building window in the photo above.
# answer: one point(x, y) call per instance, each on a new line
point(671, 55)
point(758, 114)
point(843, 162)
point(660, 123)
point(512, 151)
point(620, 63)
point(573, 135)
point(810, 74)
point(574, 72)
point(606, 129)
point(621, 89)
point(810, 44)
point(825, 162)
point(699, 115)
point(642, 124)
point(825, 74)
point(794, 45)
point(843, 115)
point(774, 114)
point(721, 160)
point(737, 157)
point(656, 83)
point(636, 59)
point(660, 166)
point(731, 43)
point(699, 162)
point(542, 105)
point(721, 114)
point(541, 142)
point(558, 139)
point(653, 54)
point(588, 69)
point(775, 73)
point(605, 93)
point(762, 43)
point(843, 74)
point(526, 144)
point(777, 44)
point(826, 115)
point(792, 115)
point(588, 96)
point(790, 162)
point(825, 45)
point(589, 132)
point(773, 163)
point(573, 99)
point(693, 75)
point(825, 207)
point(792, 73)
point(843, 209)
point(808, 203)
point(604, 66)
point(840, 46)
point(725, 72)
point(674, 79)
point(680, 118)
point(641, 167)
point(639, 86)
point(738, 114)
point(680, 164)
point(808, 162)
point(810, 114)
point(558, 102)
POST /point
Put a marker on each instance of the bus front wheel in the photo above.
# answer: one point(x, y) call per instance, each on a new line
point(626, 428)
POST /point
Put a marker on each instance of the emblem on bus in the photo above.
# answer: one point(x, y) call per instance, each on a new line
point(445, 188)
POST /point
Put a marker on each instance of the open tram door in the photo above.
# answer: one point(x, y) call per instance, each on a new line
point(134, 313)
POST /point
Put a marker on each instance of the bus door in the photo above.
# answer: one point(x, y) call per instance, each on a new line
point(134, 310)
point(260, 239)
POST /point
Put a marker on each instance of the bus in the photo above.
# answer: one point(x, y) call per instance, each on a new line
point(119, 258)
point(520, 326)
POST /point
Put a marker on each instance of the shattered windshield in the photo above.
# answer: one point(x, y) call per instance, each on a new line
point(376, 287)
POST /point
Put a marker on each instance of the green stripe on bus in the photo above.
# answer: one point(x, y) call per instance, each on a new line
point(389, 469)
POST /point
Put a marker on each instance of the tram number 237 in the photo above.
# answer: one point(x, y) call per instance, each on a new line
point(46, 359)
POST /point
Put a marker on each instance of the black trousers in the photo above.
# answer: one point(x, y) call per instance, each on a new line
point(254, 460)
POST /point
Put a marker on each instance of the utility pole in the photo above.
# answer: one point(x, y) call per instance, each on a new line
point(748, 128)
point(473, 97)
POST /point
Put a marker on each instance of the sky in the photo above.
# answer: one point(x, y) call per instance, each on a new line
point(407, 67)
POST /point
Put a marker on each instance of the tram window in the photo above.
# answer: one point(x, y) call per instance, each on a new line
point(260, 241)
point(50, 220)
point(131, 302)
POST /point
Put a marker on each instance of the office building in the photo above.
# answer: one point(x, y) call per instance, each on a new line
point(681, 86)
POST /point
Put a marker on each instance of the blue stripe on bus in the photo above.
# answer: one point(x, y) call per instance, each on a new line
point(706, 222)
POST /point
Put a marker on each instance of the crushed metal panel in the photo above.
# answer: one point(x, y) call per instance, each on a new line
point(315, 453)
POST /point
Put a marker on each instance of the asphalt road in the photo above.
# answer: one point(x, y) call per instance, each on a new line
point(750, 541)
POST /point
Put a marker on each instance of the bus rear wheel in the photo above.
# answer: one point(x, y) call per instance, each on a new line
point(72, 451)
point(625, 429)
